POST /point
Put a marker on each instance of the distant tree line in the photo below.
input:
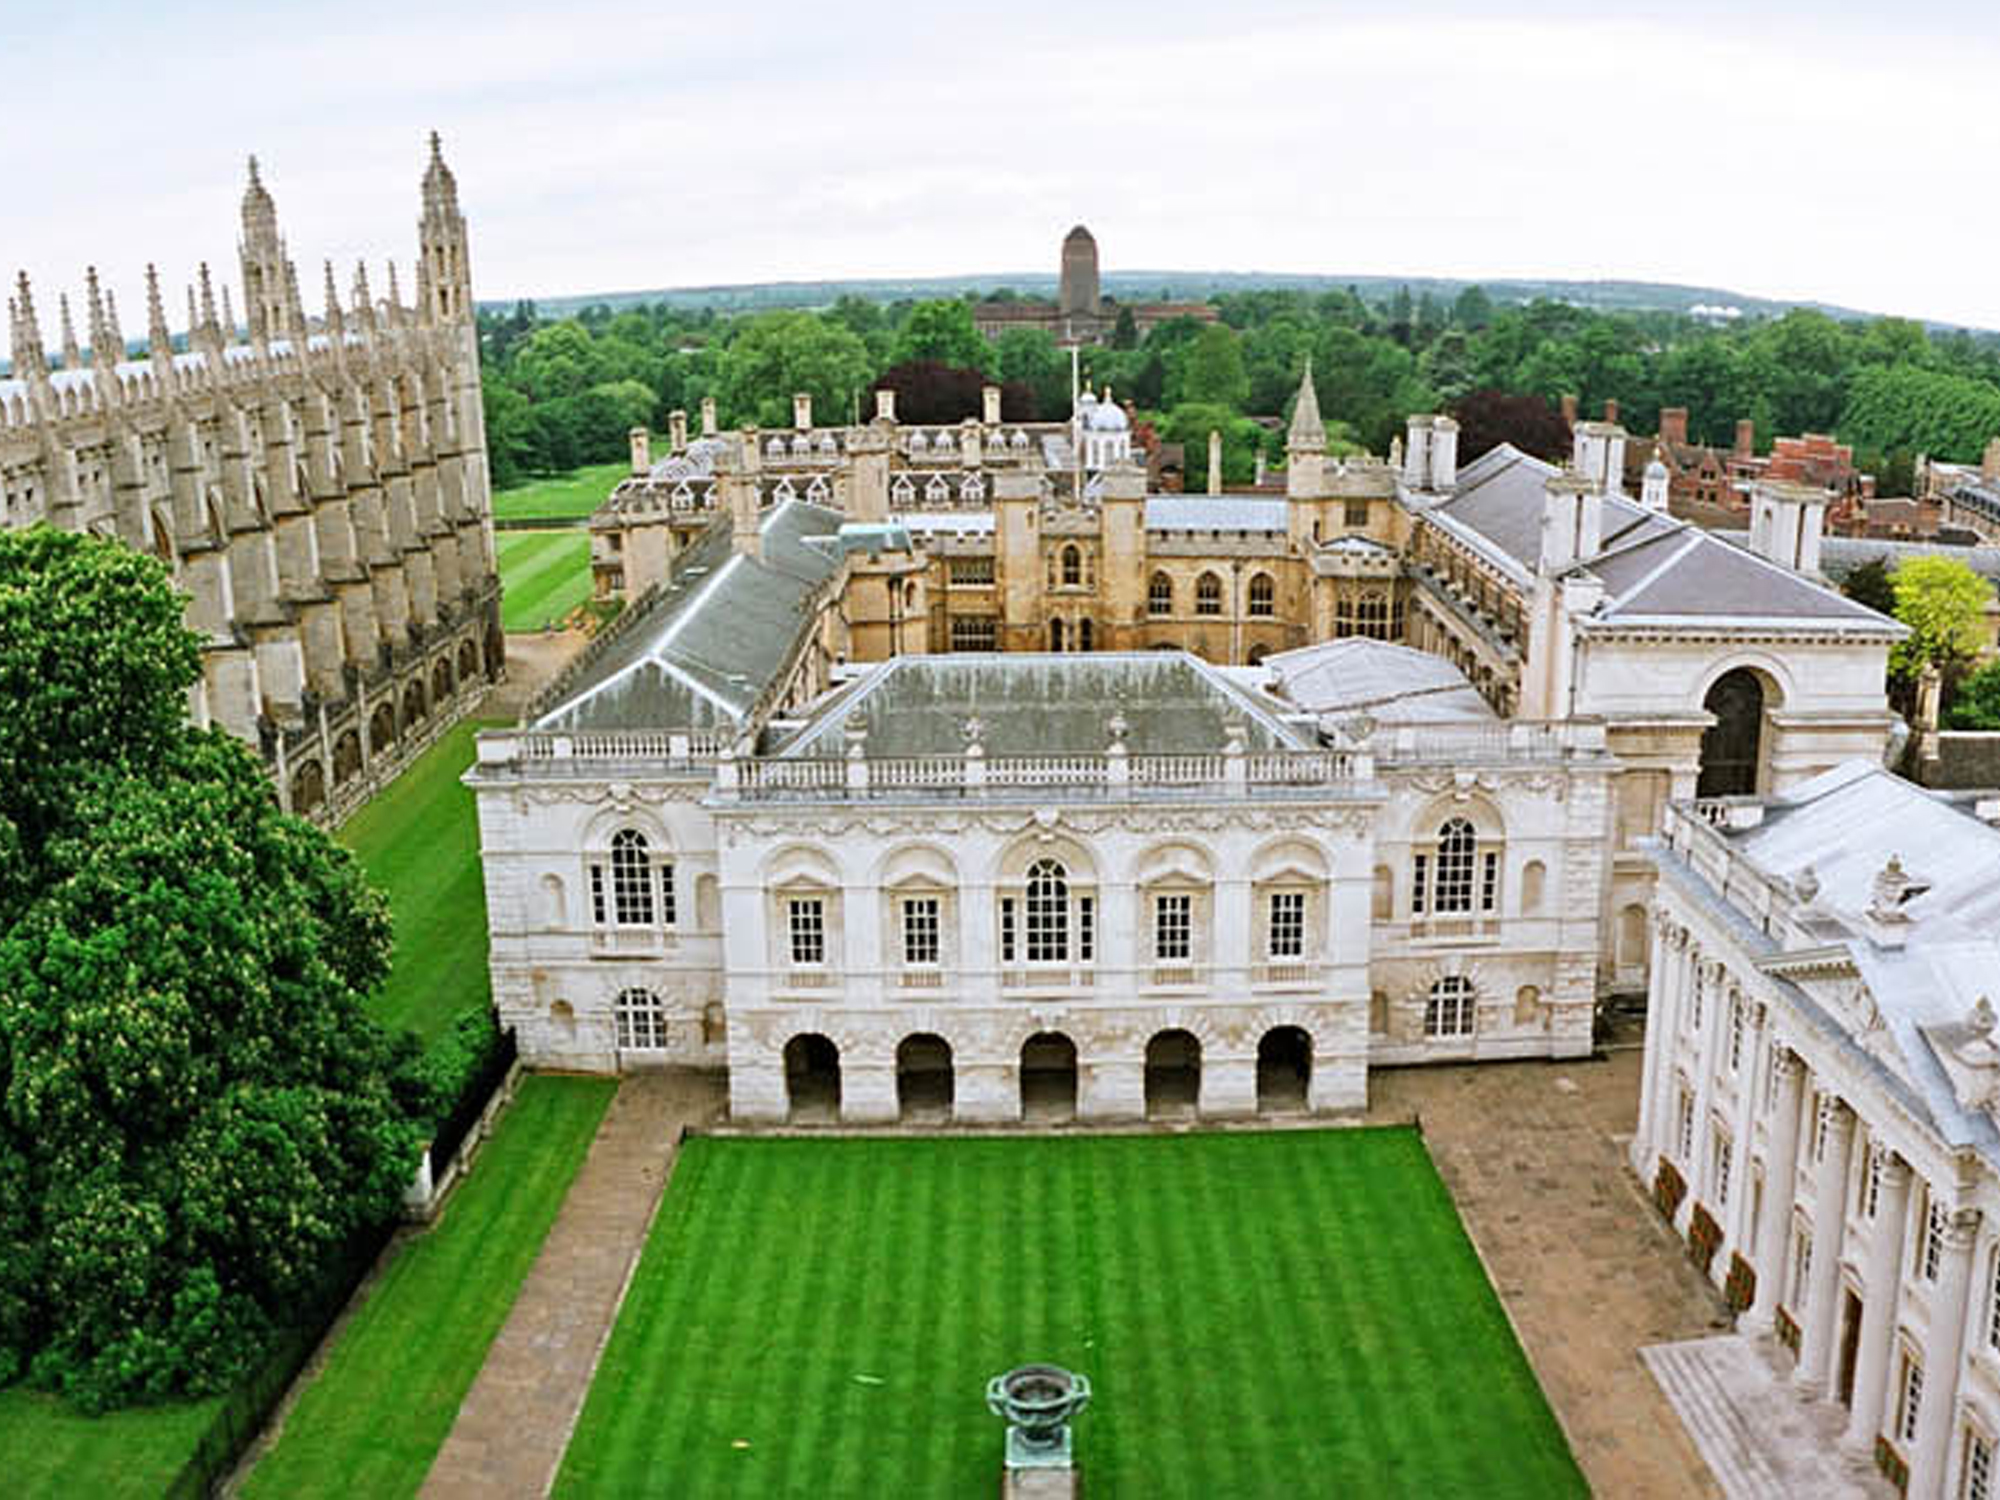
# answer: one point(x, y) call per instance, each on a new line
point(560, 393)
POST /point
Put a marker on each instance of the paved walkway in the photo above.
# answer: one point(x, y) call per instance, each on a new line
point(533, 659)
point(1534, 1155)
point(1761, 1440)
point(515, 1422)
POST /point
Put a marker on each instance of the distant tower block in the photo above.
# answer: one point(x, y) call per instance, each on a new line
point(1079, 274)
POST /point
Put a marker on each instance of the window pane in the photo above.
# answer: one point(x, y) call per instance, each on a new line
point(1456, 842)
point(1173, 927)
point(631, 879)
point(920, 930)
point(808, 930)
point(1048, 913)
point(1288, 924)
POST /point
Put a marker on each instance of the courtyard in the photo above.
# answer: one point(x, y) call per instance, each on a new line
point(1279, 1314)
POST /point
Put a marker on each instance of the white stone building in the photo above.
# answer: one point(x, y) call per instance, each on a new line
point(1820, 1086)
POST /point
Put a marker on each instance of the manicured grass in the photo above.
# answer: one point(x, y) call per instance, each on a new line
point(1262, 1315)
point(543, 576)
point(419, 841)
point(53, 1452)
point(373, 1420)
point(577, 493)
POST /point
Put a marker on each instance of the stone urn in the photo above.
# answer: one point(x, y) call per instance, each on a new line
point(1037, 1402)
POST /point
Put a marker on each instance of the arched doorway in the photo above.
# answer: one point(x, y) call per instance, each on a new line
point(812, 1078)
point(1732, 747)
point(308, 788)
point(1055, 635)
point(924, 1078)
point(1173, 1076)
point(1048, 1077)
point(1284, 1069)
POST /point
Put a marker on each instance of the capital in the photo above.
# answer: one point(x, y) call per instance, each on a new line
point(1961, 1229)
point(1785, 1063)
point(1891, 1170)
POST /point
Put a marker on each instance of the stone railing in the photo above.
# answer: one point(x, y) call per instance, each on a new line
point(1114, 772)
point(1516, 740)
point(1024, 980)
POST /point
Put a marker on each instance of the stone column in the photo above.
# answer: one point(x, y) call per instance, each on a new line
point(1679, 965)
point(1882, 1281)
point(1781, 1174)
point(1943, 1353)
point(1659, 1038)
point(1816, 1330)
point(1738, 1223)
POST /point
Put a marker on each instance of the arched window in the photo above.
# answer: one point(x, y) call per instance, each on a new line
point(1048, 912)
point(1459, 877)
point(1072, 567)
point(1085, 635)
point(1208, 595)
point(639, 890)
point(642, 1021)
point(1055, 635)
point(1160, 595)
point(1262, 594)
point(1449, 1008)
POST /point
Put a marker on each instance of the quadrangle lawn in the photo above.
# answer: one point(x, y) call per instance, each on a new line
point(374, 1418)
point(1262, 1315)
point(543, 576)
point(577, 493)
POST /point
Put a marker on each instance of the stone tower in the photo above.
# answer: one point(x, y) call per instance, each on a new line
point(444, 287)
point(1079, 275)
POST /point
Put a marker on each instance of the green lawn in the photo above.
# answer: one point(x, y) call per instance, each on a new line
point(373, 1420)
point(55, 1452)
point(576, 493)
point(543, 576)
point(419, 841)
point(1278, 1315)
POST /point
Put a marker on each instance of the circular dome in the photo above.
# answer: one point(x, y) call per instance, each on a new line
point(1104, 416)
point(1656, 469)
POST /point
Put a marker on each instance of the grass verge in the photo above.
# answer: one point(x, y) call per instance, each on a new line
point(375, 1416)
point(543, 576)
point(55, 1453)
point(1261, 1315)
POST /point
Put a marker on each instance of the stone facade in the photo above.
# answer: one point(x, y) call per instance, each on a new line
point(318, 488)
point(1816, 1112)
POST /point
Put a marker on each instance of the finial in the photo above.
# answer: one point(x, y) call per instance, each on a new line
point(1982, 1020)
point(208, 318)
point(100, 332)
point(71, 355)
point(111, 325)
point(156, 315)
point(228, 317)
point(437, 148)
point(336, 324)
point(253, 171)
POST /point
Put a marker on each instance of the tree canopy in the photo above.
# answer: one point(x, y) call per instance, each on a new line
point(1944, 603)
point(194, 1107)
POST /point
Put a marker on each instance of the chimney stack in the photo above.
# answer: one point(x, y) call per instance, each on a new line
point(989, 403)
point(1214, 461)
point(1787, 521)
point(1746, 438)
point(1989, 462)
point(885, 405)
point(1674, 425)
point(708, 416)
point(1572, 521)
point(802, 411)
point(642, 451)
point(1599, 456)
point(1569, 409)
point(677, 431)
point(737, 474)
point(1611, 409)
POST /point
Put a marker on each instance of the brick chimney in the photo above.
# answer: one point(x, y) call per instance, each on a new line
point(1746, 438)
point(1569, 410)
point(1674, 424)
point(1611, 410)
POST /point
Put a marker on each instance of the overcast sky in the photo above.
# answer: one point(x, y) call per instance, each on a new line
point(1772, 147)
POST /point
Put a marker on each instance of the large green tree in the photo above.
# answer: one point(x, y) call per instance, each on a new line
point(195, 1110)
point(778, 354)
point(1944, 603)
point(942, 331)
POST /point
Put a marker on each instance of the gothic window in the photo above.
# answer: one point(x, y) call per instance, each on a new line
point(974, 632)
point(1085, 635)
point(937, 490)
point(1160, 595)
point(1262, 594)
point(972, 489)
point(1354, 514)
point(970, 572)
point(1372, 617)
point(902, 491)
point(1208, 595)
point(1449, 1009)
point(1055, 635)
point(641, 1018)
point(1072, 567)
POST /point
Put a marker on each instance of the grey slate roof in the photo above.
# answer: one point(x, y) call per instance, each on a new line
point(1392, 684)
point(718, 635)
point(1653, 566)
point(1027, 705)
point(1846, 823)
point(1841, 555)
point(1217, 513)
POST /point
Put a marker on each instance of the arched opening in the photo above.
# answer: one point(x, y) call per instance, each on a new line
point(1160, 595)
point(1284, 1069)
point(1048, 1077)
point(812, 1079)
point(924, 1078)
point(413, 707)
point(441, 680)
point(1208, 594)
point(308, 788)
point(1257, 655)
point(1263, 595)
point(346, 757)
point(1632, 937)
point(468, 661)
point(1086, 635)
point(1072, 567)
point(1055, 635)
point(1173, 1076)
point(382, 728)
point(1732, 747)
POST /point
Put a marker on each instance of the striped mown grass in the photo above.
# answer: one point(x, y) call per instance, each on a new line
point(373, 1419)
point(577, 493)
point(1282, 1315)
point(543, 576)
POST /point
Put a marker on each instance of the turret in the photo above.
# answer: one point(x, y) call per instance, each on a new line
point(1654, 493)
point(1305, 444)
point(442, 237)
point(30, 360)
point(262, 251)
point(72, 356)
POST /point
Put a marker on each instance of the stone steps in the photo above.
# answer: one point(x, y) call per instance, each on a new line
point(1722, 1436)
